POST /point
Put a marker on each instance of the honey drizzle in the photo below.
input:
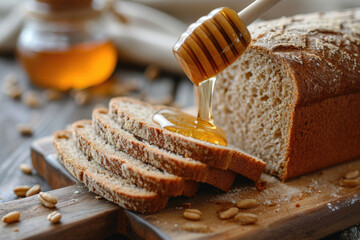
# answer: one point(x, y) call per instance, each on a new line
point(204, 95)
point(201, 127)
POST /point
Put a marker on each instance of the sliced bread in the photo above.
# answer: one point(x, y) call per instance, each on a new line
point(187, 168)
point(103, 182)
point(139, 173)
point(136, 117)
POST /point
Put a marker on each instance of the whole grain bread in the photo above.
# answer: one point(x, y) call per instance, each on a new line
point(187, 168)
point(136, 117)
point(137, 172)
point(293, 98)
point(103, 182)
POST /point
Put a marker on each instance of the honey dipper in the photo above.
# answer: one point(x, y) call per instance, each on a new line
point(215, 41)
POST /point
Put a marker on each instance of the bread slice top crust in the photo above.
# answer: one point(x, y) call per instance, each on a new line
point(108, 128)
point(136, 117)
point(138, 172)
point(103, 182)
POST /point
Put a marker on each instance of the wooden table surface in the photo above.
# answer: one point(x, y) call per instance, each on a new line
point(52, 116)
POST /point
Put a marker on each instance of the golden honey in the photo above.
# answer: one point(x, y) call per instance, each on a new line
point(201, 127)
point(77, 66)
point(190, 126)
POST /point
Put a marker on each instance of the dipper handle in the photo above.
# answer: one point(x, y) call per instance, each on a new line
point(255, 10)
point(215, 41)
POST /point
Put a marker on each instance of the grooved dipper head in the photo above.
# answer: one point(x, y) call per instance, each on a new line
point(211, 44)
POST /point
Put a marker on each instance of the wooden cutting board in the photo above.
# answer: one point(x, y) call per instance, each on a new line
point(308, 207)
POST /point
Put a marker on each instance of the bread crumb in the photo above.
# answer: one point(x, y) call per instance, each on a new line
point(260, 186)
point(15, 229)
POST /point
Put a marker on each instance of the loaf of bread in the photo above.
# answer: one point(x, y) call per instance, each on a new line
point(293, 98)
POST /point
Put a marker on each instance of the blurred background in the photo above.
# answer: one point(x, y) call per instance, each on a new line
point(61, 58)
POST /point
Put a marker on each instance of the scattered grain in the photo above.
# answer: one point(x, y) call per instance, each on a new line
point(247, 203)
point(52, 95)
point(11, 80)
point(47, 199)
point(25, 129)
point(352, 174)
point(98, 197)
point(11, 217)
point(348, 183)
point(31, 99)
point(25, 168)
point(13, 92)
point(230, 213)
point(152, 72)
point(196, 227)
point(15, 229)
point(297, 205)
point(82, 98)
point(186, 205)
point(192, 214)
point(118, 90)
point(54, 217)
point(33, 190)
point(246, 218)
point(21, 190)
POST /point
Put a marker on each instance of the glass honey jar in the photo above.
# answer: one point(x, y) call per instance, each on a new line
point(63, 44)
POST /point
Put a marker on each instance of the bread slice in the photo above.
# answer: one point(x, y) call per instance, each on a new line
point(103, 182)
point(139, 173)
point(187, 168)
point(136, 117)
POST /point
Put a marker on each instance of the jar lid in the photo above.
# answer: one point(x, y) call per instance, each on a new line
point(64, 9)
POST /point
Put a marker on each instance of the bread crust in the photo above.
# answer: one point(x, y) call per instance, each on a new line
point(324, 133)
